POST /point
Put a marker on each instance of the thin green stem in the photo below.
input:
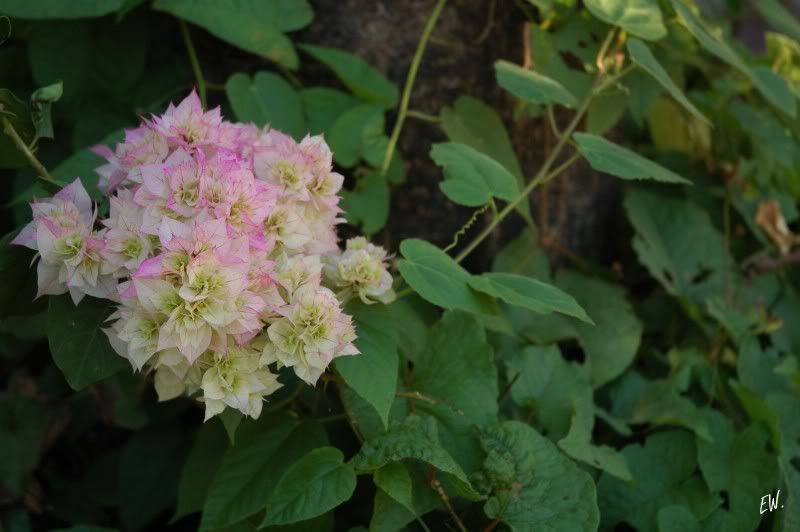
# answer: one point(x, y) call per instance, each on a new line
point(198, 72)
point(412, 75)
point(419, 115)
point(41, 171)
point(285, 401)
point(551, 117)
point(404, 292)
point(220, 87)
point(332, 418)
point(613, 79)
point(288, 74)
point(604, 50)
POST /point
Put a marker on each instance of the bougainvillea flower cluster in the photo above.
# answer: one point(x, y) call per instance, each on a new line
point(220, 249)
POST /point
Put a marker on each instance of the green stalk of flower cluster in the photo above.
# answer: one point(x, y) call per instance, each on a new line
point(198, 72)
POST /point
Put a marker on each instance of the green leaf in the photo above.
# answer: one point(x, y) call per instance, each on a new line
point(641, 18)
point(611, 344)
point(438, 278)
point(82, 164)
point(318, 482)
point(149, 459)
point(472, 122)
point(772, 87)
point(125, 42)
point(60, 51)
point(529, 293)
point(472, 178)
point(523, 256)
point(676, 241)
point(548, 386)
point(471, 384)
point(231, 419)
point(373, 373)
point(544, 6)
point(663, 472)
point(577, 444)
point(778, 17)
point(199, 469)
point(247, 475)
point(783, 406)
point(59, 10)
point(80, 348)
point(266, 99)
point(41, 101)
point(606, 110)
point(353, 130)
point(86, 528)
point(768, 137)
point(417, 438)
point(18, 114)
point(251, 25)
point(467, 397)
point(395, 480)
point(644, 92)
point(388, 515)
point(365, 418)
point(531, 86)
point(660, 403)
point(642, 56)
point(322, 106)
point(22, 429)
point(609, 158)
point(357, 75)
point(676, 518)
point(125, 393)
point(100, 118)
point(740, 464)
point(368, 204)
point(534, 486)
point(775, 89)
point(547, 47)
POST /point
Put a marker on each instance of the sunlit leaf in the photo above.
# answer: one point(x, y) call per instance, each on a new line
point(641, 18)
point(610, 158)
point(642, 56)
point(532, 86)
point(472, 178)
point(252, 25)
point(357, 75)
point(266, 99)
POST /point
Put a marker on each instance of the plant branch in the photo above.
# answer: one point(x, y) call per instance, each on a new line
point(439, 489)
point(551, 117)
point(198, 72)
point(42, 172)
point(767, 263)
point(285, 401)
point(544, 174)
point(419, 115)
point(412, 75)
